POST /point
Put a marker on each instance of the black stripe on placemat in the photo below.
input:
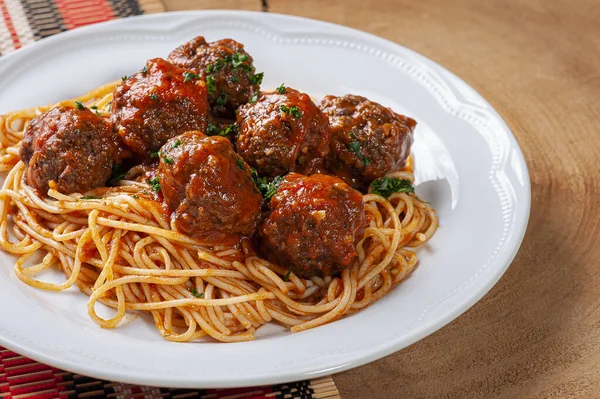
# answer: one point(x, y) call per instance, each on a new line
point(295, 390)
point(44, 18)
point(125, 8)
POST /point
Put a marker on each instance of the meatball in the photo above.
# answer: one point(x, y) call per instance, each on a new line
point(313, 225)
point(368, 140)
point(227, 69)
point(70, 150)
point(209, 188)
point(157, 103)
point(283, 132)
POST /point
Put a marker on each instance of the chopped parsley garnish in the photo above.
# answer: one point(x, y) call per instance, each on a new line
point(144, 69)
point(240, 163)
point(177, 143)
point(89, 197)
point(287, 275)
point(95, 108)
point(116, 174)
point(257, 78)
point(293, 110)
point(386, 186)
point(124, 78)
point(197, 294)
point(154, 154)
point(154, 97)
point(355, 146)
point(254, 98)
point(187, 76)
point(281, 89)
point(211, 85)
point(267, 188)
point(135, 196)
point(235, 79)
point(168, 161)
point(218, 65)
point(222, 100)
point(155, 184)
point(79, 105)
point(238, 59)
point(213, 130)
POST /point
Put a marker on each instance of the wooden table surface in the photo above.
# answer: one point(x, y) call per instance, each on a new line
point(537, 333)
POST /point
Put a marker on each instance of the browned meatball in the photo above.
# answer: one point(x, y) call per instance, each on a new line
point(68, 149)
point(283, 132)
point(368, 140)
point(158, 103)
point(209, 188)
point(313, 225)
point(227, 69)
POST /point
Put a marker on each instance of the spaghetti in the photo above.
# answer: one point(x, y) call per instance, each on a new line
point(117, 246)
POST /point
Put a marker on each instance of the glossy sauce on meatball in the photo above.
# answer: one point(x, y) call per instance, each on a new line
point(71, 147)
point(209, 188)
point(227, 68)
point(313, 225)
point(368, 140)
point(155, 104)
point(283, 132)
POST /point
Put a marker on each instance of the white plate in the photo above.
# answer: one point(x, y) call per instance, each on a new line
point(469, 167)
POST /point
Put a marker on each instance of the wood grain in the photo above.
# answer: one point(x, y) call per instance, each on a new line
point(537, 333)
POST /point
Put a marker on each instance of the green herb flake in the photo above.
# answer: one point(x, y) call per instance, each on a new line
point(79, 105)
point(187, 76)
point(293, 110)
point(235, 79)
point(211, 85)
point(238, 59)
point(222, 100)
point(386, 186)
point(168, 161)
point(124, 78)
point(155, 184)
point(212, 130)
point(89, 197)
point(257, 78)
point(177, 143)
point(281, 89)
point(116, 174)
point(197, 294)
point(154, 154)
point(94, 107)
point(240, 163)
point(144, 69)
point(154, 97)
point(135, 196)
point(287, 275)
point(254, 98)
point(354, 146)
point(267, 188)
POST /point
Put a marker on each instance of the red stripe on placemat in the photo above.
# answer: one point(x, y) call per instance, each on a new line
point(78, 13)
point(9, 25)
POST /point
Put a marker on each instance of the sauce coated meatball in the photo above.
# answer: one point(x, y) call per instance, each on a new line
point(209, 188)
point(368, 140)
point(68, 149)
point(283, 132)
point(156, 104)
point(313, 225)
point(227, 69)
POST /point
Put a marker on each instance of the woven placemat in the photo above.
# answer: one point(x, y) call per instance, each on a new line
point(22, 22)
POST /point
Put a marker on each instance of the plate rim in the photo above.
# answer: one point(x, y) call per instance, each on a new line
point(392, 346)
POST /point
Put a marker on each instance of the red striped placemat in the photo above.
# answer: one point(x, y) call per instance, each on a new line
point(23, 22)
